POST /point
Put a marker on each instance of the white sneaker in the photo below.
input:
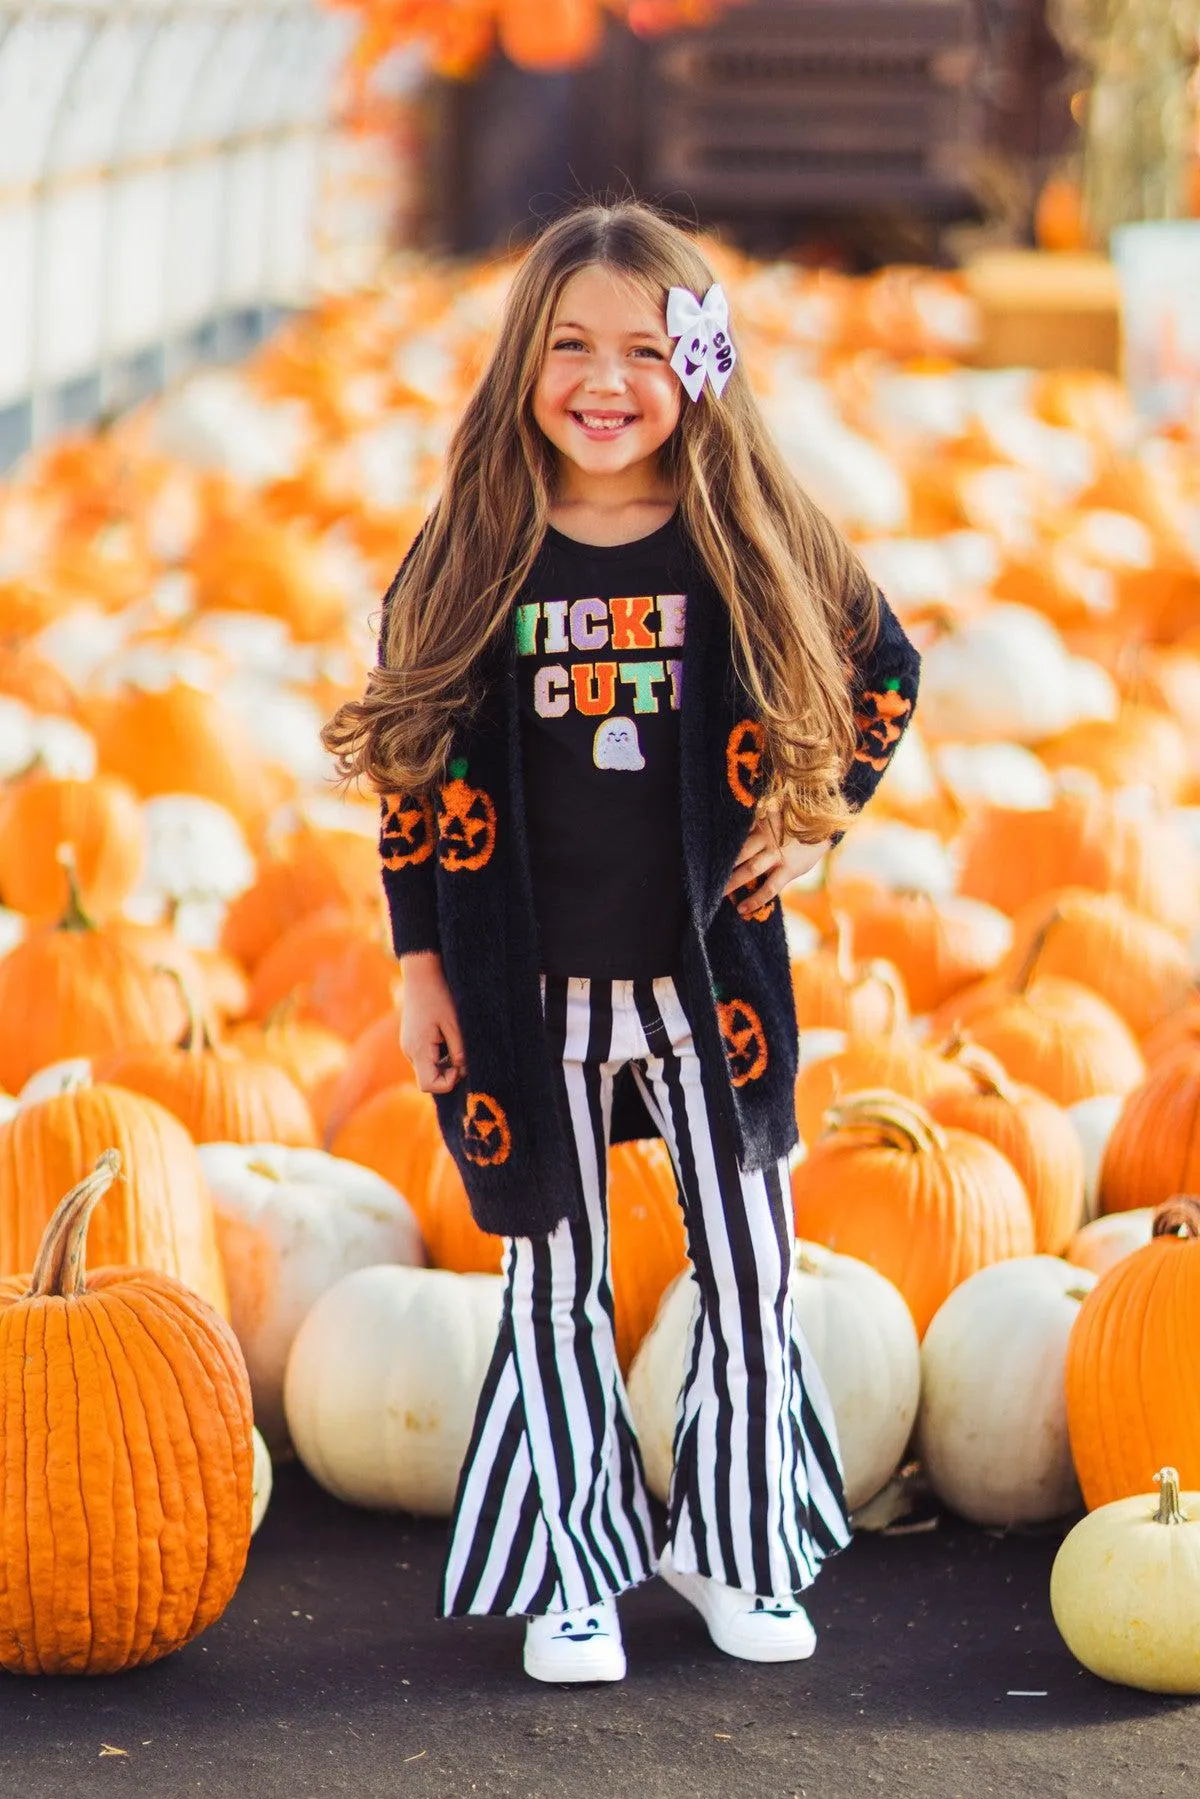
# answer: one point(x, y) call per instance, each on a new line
point(576, 1646)
point(753, 1629)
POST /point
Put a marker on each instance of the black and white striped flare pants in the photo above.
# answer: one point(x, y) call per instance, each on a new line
point(551, 1511)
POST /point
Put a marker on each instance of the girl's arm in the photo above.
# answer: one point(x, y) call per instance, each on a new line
point(884, 681)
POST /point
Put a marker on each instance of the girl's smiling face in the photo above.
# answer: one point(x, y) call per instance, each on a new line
point(607, 397)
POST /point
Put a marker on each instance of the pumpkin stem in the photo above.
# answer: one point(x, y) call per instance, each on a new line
point(1170, 1509)
point(58, 1272)
point(885, 973)
point(1179, 1217)
point(196, 1035)
point(843, 953)
point(990, 1076)
point(803, 1262)
point(74, 918)
point(900, 1122)
point(1024, 974)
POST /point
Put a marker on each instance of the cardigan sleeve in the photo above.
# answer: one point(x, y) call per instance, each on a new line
point(407, 847)
point(884, 681)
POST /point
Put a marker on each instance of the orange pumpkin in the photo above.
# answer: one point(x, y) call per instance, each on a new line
point(924, 1205)
point(1153, 1151)
point(1180, 1029)
point(1130, 1357)
point(648, 1245)
point(217, 1094)
point(30, 677)
point(99, 819)
point(161, 1215)
point(1098, 940)
point(834, 992)
point(128, 1457)
point(375, 1061)
point(1012, 857)
point(1053, 1034)
point(311, 1056)
point(1141, 747)
point(466, 823)
point(396, 1133)
point(180, 740)
point(312, 871)
point(452, 1237)
point(895, 1062)
point(549, 34)
point(246, 562)
point(78, 990)
point(1036, 1135)
point(938, 947)
point(334, 966)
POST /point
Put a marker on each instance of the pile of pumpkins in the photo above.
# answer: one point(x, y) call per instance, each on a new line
point(994, 972)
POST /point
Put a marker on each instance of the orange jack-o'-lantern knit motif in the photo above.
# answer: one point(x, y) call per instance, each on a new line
point(466, 823)
point(744, 761)
point(487, 1139)
point(406, 834)
point(744, 1039)
point(879, 719)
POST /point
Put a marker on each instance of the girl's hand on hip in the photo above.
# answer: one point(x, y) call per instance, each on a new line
point(765, 866)
point(429, 1033)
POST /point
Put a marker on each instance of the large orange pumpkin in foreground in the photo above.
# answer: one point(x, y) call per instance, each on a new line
point(127, 1458)
point(1131, 1363)
point(924, 1205)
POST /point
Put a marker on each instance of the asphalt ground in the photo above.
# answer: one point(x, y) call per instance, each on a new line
point(938, 1674)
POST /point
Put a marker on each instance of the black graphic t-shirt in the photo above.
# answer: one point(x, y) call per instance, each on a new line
point(599, 638)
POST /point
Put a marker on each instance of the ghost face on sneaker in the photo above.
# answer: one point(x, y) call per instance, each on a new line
point(569, 1648)
point(607, 398)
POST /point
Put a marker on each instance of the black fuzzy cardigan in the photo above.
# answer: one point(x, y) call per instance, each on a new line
point(456, 875)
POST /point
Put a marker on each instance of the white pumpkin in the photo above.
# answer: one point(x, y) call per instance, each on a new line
point(291, 1222)
point(383, 1380)
point(55, 1078)
point(1125, 1590)
point(1106, 1241)
point(1094, 1119)
point(992, 1425)
point(861, 1336)
point(1005, 675)
point(995, 774)
point(195, 848)
point(263, 1479)
point(897, 855)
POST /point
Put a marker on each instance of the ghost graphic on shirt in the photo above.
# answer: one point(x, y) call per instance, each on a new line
point(616, 745)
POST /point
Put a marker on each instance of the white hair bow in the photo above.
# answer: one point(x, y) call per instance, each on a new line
point(704, 351)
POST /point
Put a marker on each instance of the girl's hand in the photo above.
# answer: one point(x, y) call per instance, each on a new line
point(765, 866)
point(429, 1033)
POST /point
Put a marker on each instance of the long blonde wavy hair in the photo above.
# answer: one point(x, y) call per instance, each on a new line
point(794, 591)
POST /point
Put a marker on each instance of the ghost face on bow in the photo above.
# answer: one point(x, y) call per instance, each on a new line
point(607, 397)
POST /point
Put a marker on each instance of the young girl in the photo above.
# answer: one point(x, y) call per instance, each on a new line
point(631, 683)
